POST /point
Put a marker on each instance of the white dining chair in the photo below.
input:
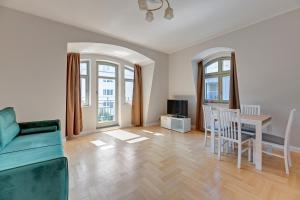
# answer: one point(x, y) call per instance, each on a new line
point(207, 114)
point(230, 132)
point(249, 110)
point(281, 143)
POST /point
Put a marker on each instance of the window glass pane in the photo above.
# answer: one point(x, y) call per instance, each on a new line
point(225, 87)
point(83, 68)
point(128, 91)
point(226, 65)
point(106, 70)
point(83, 85)
point(211, 88)
point(106, 100)
point(128, 73)
point(212, 68)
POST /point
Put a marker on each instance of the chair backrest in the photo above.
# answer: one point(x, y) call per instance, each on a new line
point(289, 127)
point(250, 109)
point(207, 114)
point(230, 124)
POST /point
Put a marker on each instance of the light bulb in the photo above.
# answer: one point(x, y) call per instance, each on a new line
point(169, 13)
point(149, 16)
point(143, 4)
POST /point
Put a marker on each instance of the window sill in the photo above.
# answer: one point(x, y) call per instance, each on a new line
point(216, 102)
point(87, 106)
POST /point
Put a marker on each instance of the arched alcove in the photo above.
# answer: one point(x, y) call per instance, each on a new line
point(208, 54)
point(122, 57)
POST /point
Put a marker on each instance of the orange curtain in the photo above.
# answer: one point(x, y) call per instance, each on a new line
point(137, 99)
point(73, 101)
point(234, 98)
point(200, 98)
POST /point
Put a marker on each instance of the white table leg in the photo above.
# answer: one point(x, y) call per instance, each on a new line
point(258, 146)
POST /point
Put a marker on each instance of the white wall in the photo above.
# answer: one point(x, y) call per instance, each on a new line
point(268, 68)
point(147, 79)
point(90, 112)
point(33, 56)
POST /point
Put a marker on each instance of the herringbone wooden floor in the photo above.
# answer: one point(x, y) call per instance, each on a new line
point(171, 166)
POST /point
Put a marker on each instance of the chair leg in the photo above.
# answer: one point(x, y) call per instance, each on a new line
point(249, 150)
point(286, 162)
point(253, 150)
point(219, 147)
point(228, 147)
point(239, 155)
point(289, 158)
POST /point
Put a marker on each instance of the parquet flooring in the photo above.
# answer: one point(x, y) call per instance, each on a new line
point(171, 166)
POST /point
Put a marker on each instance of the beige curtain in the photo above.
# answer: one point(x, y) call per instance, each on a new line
point(200, 98)
point(73, 101)
point(234, 98)
point(137, 99)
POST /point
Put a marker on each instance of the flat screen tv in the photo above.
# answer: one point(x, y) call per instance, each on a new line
point(178, 108)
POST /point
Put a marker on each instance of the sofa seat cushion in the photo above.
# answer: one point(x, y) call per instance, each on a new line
point(24, 142)
point(20, 158)
point(9, 128)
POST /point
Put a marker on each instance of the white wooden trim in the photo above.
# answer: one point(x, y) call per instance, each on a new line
point(152, 124)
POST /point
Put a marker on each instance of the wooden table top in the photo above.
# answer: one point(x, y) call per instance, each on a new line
point(262, 118)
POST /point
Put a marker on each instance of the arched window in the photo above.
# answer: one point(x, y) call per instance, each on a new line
point(217, 80)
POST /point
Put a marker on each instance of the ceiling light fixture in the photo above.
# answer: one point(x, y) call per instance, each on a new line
point(143, 5)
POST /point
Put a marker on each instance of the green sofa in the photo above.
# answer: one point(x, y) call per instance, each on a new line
point(32, 162)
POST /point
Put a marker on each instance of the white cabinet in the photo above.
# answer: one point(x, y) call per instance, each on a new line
point(165, 122)
point(182, 125)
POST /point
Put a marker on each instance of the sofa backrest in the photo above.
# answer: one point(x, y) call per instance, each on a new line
point(9, 127)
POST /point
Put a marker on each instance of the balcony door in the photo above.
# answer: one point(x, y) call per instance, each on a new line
point(107, 94)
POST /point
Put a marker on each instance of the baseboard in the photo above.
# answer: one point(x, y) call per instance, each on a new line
point(295, 149)
point(152, 124)
point(87, 132)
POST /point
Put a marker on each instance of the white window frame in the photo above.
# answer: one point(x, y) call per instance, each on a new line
point(87, 78)
point(127, 80)
point(116, 78)
point(220, 74)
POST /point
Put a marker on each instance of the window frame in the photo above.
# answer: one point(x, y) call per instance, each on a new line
point(128, 80)
point(87, 78)
point(116, 79)
point(220, 74)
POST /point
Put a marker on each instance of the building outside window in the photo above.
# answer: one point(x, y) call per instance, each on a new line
point(217, 80)
point(107, 80)
point(128, 77)
point(85, 82)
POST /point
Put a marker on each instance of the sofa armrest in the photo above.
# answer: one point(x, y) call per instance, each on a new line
point(39, 124)
point(47, 180)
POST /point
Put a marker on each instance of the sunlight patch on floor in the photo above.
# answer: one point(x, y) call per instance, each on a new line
point(146, 131)
point(158, 134)
point(107, 147)
point(97, 143)
point(121, 134)
point(137, 140)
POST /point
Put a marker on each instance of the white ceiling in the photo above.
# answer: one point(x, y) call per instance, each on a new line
point(109, 50)
point(195, 20)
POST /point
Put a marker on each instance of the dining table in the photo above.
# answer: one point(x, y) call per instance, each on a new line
point(260, 122)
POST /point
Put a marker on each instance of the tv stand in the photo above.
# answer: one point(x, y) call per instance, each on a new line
point(179, 124)
point(178, 116)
